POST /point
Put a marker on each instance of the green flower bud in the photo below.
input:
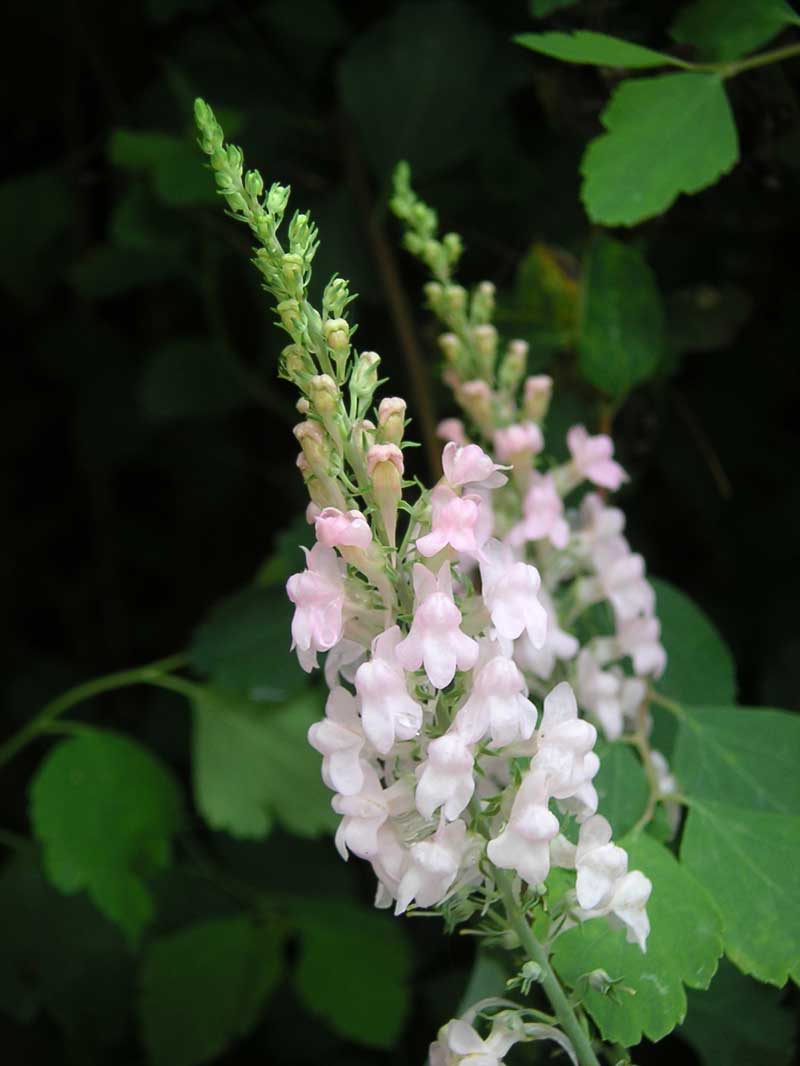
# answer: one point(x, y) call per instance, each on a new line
point(324, 394)
point(337, 334)
point(455, 298)
point(364, 378)
point(451, 347)
point(277, 199)
point(254, 184)
point(453, 247)
point(483, 302)
point(289, 312)
point(513, 366)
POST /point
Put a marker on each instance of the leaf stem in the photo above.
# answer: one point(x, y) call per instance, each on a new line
point(151, 673)
point(667, 704)
point(775, 55)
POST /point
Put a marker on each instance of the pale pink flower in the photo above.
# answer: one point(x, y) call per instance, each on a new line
point(626, 907)
point(639, 638)
point(565, 753)
point(436, 641)
point(446, 778)
point(342, 661)
point(543, 514)
point(497, 704)
point(599, 692)
point(339, 740)
point(514, 442)
point(342, 529)
point(591, 457)
point(557, 645)
point(469, 464)
point(318, 596)
point(598, 521)
point(621, 574)
point(524, 844)
point(388, 713)
point(536, 395)
point(452, 429)
point(510, 591)
point(599, 864)
point(433, 866)
point(365, 812)
point(389, 862)
point(454, 521)
point(458, 1044)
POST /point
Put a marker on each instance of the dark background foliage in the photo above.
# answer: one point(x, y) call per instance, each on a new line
point(149, 458)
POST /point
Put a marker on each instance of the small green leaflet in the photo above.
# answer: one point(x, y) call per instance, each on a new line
point(353, 971)
point(204, 986)
point(727, 29)
point(683, 949)
point(105, 811)
point(738, 1022)
point(621, 785)
point(621, 338)
point(597, 49)
point(252, 764)
point(666, 135)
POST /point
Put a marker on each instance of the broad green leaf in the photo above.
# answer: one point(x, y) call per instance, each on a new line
point(172, 163)
point(105, 810)
point(622, 787)
point(205, 986)
point(747, 757)
point(665, 136)
point(243, 645)
point(353, 971)
point(682, 949)
point(621, 336)
point(747, 860)
point(598, 49)
point(191, 377)
point(252, 764)
point(542, 308)
point(700, 668)
point(738, 1022)
point(727, 29)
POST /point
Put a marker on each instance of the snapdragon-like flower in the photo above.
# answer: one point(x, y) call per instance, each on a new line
point(342, 529)
point(452, 429)
point(524, 844)
point(318, 596)
point(543, 514)
point(497, 704)
point(446, 778)
point(558, 645)
point(454, 523)
point(433, 866)
point(622, 581)
point(340, 739)
point(640, 639)
point(388, 713)
point(592, 458)
point(510, 590)
point(468, 465)
point(436, 640)
point(364, 812)
point(458, 1043)
point(565, 754)
point(599, 864)
point(519, 442)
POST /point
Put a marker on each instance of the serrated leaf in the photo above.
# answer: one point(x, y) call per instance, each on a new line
point(243, 646)
point(252, 764)
point(205, 986)
point(738, 1022)
point(621, 338)
point(743, 756)
point(747, 860)
point(727, 29)
point(353, 971)
point(665, 136)
point(682, 949)
point(597, 49)
point(621, 786)
point(105, 811)
point(191, 377)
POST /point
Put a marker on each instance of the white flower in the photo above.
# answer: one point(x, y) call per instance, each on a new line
point(565, 753)
point(524, 844)
point(365, 812)
point(436, 641)
point(458, 1043)
point(433, 866)
point(446, 777)
point(510, 591)
point(388, 713)
point(639, 638)
point(497, 704)
point(628, 906)
point(599, 864)
point(557, 645)
point(339, 739)
point(621, 574)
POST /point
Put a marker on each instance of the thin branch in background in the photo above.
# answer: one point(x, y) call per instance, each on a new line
point(399, 305)
point(704, 445)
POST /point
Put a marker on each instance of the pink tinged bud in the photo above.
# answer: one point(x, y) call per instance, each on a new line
point(476, 399)
point(324, 394)
point(543, 511)
point(497, 704)
point(537, 392)
point(470, 465)
point(524, 844)
point(340, 529)
point(445, 778)
point(436, 641)
point(318, 596)
point(391, 419)
point(510, 592)
point(388, 713)
point(311, 438)
point(312, 512)
point(433, 867)
point(454, 523)
point(339, 739)
point(450, 345)
point(591, 457)
point(452, 429)
point(518, 442)
point(337, 333)
point(385, 468)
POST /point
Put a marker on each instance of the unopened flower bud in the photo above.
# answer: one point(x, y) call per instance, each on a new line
point(277, 199)
point(296, 364)
point(391, 419)
point(455, 298)
point(434, 293)
point(385, 468)
point(311, 439)
point(453, 246)
point(302, 406)
point(364, 378)
point(600, 981)
point(476, 399)
point(483, 302)
point(485, 340)
point(324, 394)
point(451, 346)
point(300, 233)
point(254, 183)
point(292, 265)
point(336, 297)
point(538, 390)
point(289, 312)
point(512, 368)
point(337, 333)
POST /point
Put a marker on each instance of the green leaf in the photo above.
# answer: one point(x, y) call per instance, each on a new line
point(178, 179)
point(745, 757)
point(353, 971)
point(682, 949)
point(205, 986)
point(622, 787)
point(598, 49)
point(727, 29)
point(738, 1022)
point(191, 377)
point(700, 668)
point(622, 323)
point(666, 135)
point(487, 978)
point(253, 764)
point(105, 810)
point(747, 860)
point(243, 645)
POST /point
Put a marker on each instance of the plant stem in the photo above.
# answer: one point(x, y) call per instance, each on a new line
point(730, 70)
point(555, 993)
point(152, 673)
point(670, 705)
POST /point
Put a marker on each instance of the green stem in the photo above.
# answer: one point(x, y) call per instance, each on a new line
point(152, 673)
point(667, 704)
point(730, 70)
point(555, 993)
